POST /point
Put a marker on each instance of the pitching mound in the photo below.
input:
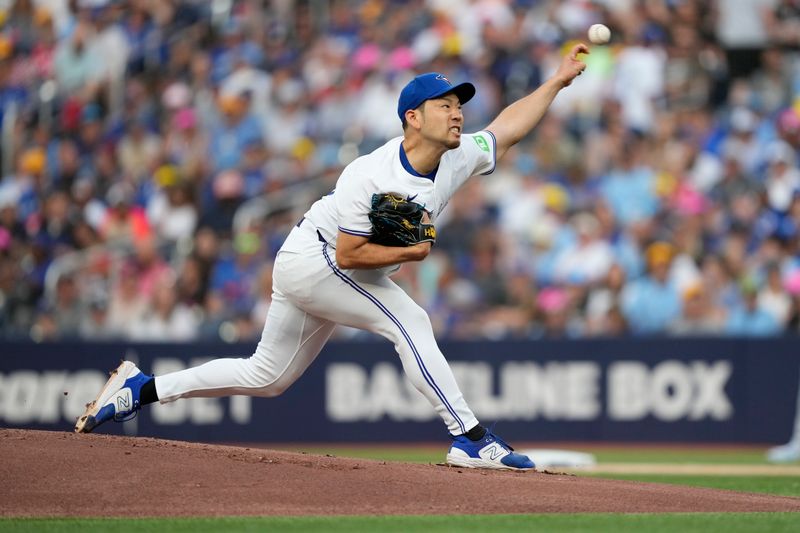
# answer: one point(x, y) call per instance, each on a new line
point(64, 474)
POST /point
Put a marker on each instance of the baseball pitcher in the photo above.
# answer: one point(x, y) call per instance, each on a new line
point(333, 267)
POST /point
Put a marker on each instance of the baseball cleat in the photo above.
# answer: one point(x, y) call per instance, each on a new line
point(118, 400)
point(489, 452)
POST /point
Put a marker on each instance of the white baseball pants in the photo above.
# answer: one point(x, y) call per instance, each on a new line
point(310, 296)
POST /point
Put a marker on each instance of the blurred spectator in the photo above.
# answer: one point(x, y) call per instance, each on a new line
point(717, 281)
point(772, 82)
point(603, 315)
point(110, 42)
point(742, 143)
point(54, 228)
point(750, 319)
point(138, 151)
point(68, 163)
point(652, 302)
point(555, 153)
point(699, 315)
point(126, 303)
point(171, 210)
point(792, 284)
point(254, 170)
point(553, 303)
point(741, 29)
point(254, 82)
point(235, 45)
point(517, 317)
point(236, 128)
point(485, 270)
point(630, 187)
point(140, 32)
point(148, 267)
point(11, 228)
point(77, 64)
point(186, 145)
point(783, 23)
point(28, 183)
point(639, 82)
point(234, 279)
point(588, 259)
point(192, 283)
point(228, 189)
point(773, 298)
point(167, 320)
point(85, 204)
point(734, 183)
point(94, 323)
point(782, 178)
point(290, 122)
point(65, 311)
point(124, 222)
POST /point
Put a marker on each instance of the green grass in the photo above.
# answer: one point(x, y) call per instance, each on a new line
point(596, 523)
point(680, 456)
point(781, 486)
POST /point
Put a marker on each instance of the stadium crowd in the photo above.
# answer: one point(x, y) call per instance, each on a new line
point(156, 152)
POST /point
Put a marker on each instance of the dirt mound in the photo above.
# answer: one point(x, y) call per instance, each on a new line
point(64, 474)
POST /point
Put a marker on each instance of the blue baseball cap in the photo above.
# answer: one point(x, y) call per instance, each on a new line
point(431, 85)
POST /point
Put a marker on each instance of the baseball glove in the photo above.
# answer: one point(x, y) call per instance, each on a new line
point(398, 222)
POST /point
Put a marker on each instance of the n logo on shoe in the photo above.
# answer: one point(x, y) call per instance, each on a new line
point(493, 452)
point(124, 400)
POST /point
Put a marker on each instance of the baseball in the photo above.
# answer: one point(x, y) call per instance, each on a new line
point(599, 34)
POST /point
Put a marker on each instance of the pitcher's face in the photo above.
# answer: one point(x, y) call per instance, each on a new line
point(441, 120)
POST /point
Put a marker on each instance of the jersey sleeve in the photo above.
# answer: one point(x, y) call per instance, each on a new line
point(480, 150)
point(352, 197)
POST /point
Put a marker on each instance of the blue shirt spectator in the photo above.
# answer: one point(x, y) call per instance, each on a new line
point(651, 303)
point(234, 278)
point(750, 320)
point(650, 306)
point(630, 190)
point(230, 136)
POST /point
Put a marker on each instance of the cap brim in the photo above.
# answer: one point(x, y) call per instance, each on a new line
point(464, 91)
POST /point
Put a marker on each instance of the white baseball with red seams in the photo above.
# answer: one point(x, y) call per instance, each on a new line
point(599, 34)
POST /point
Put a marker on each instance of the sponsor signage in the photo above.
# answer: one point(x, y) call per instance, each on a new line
point(702, 390)
point(526, 391)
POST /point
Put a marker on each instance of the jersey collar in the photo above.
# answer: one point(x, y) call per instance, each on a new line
point(406, 165)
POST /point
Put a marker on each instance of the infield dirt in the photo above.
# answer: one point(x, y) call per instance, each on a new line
point(46, 474)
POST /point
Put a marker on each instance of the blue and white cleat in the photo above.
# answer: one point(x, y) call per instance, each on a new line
point(489, 452)
point(118, 400)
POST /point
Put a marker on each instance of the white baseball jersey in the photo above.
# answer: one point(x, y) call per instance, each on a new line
point(387, 170)
point(311, 294)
